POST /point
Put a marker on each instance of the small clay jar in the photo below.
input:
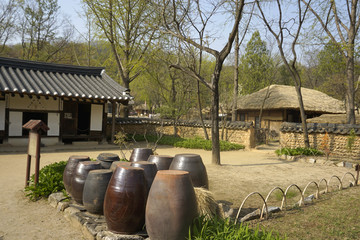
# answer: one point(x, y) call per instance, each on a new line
point(94, 190)
point(106, 159)
point(81, 172)
point(162, 162)
point(140, 154)
point(125, 200)
point(149, 171)
point(70, 169)
point(194, 165)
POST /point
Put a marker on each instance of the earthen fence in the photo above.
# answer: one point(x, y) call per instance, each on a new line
point(235, 132)
point(322, 136)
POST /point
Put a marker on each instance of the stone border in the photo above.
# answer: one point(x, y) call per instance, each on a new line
point(92, 226)
point(315, 160)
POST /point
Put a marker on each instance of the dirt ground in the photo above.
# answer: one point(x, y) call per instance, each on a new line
point(241, 173)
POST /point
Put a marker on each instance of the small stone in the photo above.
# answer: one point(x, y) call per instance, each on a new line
point(107, 235)
point(55, 198)
point(253, 215)
point(69, 211)
point(312, 160)
point(309, 199)
point(62, 206)
point(340, 164)
point(348, 165)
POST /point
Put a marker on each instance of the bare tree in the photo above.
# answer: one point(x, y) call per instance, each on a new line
point(7, 21)
point(287, 32)
point(341, 21)
point(175, 16)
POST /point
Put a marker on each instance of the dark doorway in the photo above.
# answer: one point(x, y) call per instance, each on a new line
point(83, 126)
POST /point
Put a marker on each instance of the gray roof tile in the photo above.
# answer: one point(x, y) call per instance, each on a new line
point(29, 77)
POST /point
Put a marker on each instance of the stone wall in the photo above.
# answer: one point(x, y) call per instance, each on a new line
point(237, 132)
point(291, 136)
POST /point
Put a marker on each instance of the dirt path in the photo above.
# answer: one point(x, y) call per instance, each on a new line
point(242, 172)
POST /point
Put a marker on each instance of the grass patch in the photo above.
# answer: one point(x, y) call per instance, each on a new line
point(191, 143)
point(223, 229)
point(50, 181)
point(334, 216)
point(299, 151)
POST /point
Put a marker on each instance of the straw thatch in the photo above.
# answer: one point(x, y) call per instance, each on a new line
point(332, 118)
point(207, 204)
point(285, 97)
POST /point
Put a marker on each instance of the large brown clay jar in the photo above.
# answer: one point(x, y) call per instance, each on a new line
point(171, 206)
point(149, 171)
point(117, 163)
point(94, 190)
point(125, 200)
point(194, 165)
point(81, 172)
point(70, 169)
point(140, 154)
point(162, 161)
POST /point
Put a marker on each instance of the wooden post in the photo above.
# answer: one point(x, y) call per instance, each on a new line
point(35, 127)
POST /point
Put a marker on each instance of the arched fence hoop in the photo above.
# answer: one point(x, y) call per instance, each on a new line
point(326, 184)
point(348, 173)
point(317, 189)
point(334, 176)
point(287, 189)
point(267, 197)
point(243, 202)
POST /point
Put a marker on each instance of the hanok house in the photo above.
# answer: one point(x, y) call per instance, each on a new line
point(70, 100)
point(280, 104)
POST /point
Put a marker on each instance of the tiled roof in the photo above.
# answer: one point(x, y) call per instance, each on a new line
point(57, 80)
point(321, 128)
point(167, 122)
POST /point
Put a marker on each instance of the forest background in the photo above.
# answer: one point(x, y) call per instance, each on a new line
point(163, 50)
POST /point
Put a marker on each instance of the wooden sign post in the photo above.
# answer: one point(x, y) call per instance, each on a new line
point(35, 127)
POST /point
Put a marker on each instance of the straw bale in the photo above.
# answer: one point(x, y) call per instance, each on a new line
point(207, 204)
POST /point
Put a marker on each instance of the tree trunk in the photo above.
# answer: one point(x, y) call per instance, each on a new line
point(215, 118)
point(350, 92)
point(303, 116)
point(236, 78)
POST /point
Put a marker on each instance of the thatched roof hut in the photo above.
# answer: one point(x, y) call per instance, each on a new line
point(285, 97)
point(332, 118)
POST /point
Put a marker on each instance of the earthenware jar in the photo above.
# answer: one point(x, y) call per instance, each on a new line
point(81, 172)
point(194, 165)
point(116, 163)
point(94, 190)
point(149, 171)
point(140, 154)
point(171, 206)
point(70, 169)
point(106, 159)
point(162, 161)
point(125, 200)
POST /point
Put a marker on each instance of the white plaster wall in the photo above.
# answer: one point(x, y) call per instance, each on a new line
point(53, 124)
point(47, 141)
point(2, 115)
point(96, 117)
point(15, 124)
point(17, 102)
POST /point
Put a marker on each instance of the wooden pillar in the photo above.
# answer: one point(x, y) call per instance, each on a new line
point(113, 105)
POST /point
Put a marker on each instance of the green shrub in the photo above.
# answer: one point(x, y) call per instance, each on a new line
point(199, 143)
point(192, 143)
point(299, 151)
point(50, 181)
point(224, 229)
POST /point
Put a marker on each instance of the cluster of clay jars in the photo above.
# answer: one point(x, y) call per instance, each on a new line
point(154, 189)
